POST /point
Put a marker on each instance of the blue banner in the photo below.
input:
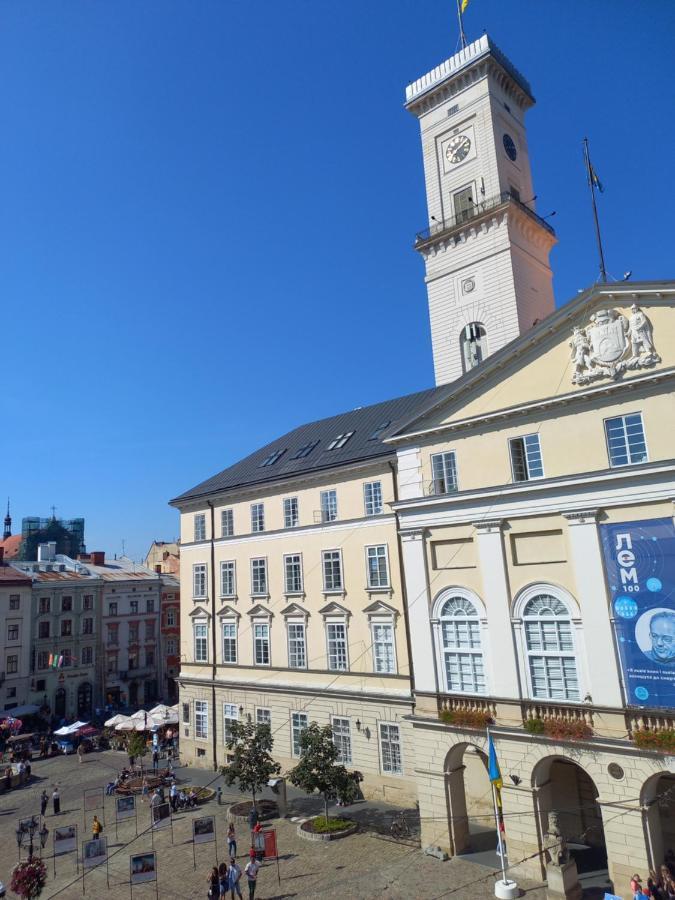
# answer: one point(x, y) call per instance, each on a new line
point(640, 567)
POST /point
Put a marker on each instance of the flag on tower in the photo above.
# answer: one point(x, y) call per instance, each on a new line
point(595, 181)
point(465, 3)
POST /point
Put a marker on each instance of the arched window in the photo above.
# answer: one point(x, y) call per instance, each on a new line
point(474, 345)
point(550, 650)
point(460, 646)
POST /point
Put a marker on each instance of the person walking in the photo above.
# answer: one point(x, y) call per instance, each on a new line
point(214, 883)
point(155, 759)
point(56, 801)
point(231, 841)
point(252, 869)
point(233, 877)
point(173, 796)
point(80, 752)
point(96, 828)
point(44, 800)
point(222, 879)
point(636, 887)
point(144, 790)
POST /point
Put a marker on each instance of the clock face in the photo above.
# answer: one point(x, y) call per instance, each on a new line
point(458, 148)
point(510, 147)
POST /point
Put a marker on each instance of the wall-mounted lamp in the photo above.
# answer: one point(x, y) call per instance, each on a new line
point(358, 721)
point(516, 779)
point(241, 710)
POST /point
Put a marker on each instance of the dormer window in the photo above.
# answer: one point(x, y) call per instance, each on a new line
point(474, 345)
point(272, 458)
point(339, 441)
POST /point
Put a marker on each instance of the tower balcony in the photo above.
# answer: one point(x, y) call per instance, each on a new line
point(442, 229)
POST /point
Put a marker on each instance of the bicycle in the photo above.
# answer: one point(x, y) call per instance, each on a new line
point(399, 827)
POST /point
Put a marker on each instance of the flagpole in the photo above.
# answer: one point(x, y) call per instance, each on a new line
point(496, 810)
point(462, 35)
point(591, 185)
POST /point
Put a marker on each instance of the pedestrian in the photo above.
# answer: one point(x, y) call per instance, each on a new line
point(636, 887)
point(156, 799)
point(56, 800)
point(252, 818)
point(80, 752)
point(233, 877)
point(252, 868)
point(222, 879)
point(214, 883)
point(144, 790)
point(96, 828)
point(44, 800)
point(155, 759)
point(173, 796)
point(231, 840)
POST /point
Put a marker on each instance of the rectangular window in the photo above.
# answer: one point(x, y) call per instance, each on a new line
point(133, 632)
point(336, 637)
point(43, 629)
point(171, 646)
point(378, 569)
point(186, 713)
point(112, 639)
point(297, 650)
point(133, 607)
point(201, 718)
point(43, 659)
point(149, 657)
point(257, 517)
point(372, 498)
point(112, 608)
point(14, 601)
point(230, 715)
point(229, 642)
point(261, 644)
point(67, 657)
point(228, 587)
point(263, 717)
point(88, 625)
point(328, 506)
point(87, 601)
point(626, 443)
point(339, 441)
point(66, 627)
point(200, 527)
point(12, 632)
point(342, 739)
point(201, 642)
point(291, 517)
point(383, 647)
point(272, 458)
point(332, 570)
point(390, 749)
point(149, 631)
point(259, 576)
point(199, 581)
point(226, 522)
point(149, 604)
point(87, 656)
point(443, 473)
point(170, 618)
point(113, 665)
point(66, 604)
point(305, 450)
point(463, 204)
point(45, 604)
point(293, 573)
point(526, 461)
point(12, 665)
point(299, 722)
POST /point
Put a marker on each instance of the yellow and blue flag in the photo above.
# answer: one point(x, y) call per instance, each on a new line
point(494, 771)
point(465, 3)
point(595, 181)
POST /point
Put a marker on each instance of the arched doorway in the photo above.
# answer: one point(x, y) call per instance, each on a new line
point(84, 700)
point(471, 821)
point(60, 703)
point(658, 804)
point(566, 790)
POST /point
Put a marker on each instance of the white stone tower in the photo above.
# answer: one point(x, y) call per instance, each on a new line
point(486, 250)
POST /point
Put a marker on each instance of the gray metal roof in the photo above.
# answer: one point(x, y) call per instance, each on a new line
point(360, 446)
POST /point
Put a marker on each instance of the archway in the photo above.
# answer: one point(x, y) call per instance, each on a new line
point(658, 804)
point(469, 802)
point(564, 789)
point(84, 699)
point(60, 703)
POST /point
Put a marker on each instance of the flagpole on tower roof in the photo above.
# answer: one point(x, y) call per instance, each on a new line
point(593, 183)
point(461, 6)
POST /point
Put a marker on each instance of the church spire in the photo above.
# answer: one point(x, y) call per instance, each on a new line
point(8, 524)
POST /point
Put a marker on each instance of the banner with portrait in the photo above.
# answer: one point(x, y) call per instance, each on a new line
point(640, 567)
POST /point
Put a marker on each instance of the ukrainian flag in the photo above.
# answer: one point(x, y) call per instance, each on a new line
point(494, 771)
point(465, 3)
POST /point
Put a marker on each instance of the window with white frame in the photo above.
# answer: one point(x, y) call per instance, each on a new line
point(263, 716)
point(201, 635)
point(87, 656)
point(257, 517)
point(443, 473)
point(170, 618)
point(549, 644)
point(526, 461)
point(297, 645)
point(171, 646)
point(228, 581)
point(460, 640)
point(336, 641)
point(332, 570)
point(226, 522)
point(378, 568)
point(199, 581)
point(299, 722)
point(626, 443)
point(229, 630)
point(328, 506)
point(230, 715)
point(201, 718)
point(342, 738)
point(261, 643)
point(390, 749)
point(384, 653)
point(293, 573)
point(372, 498)
point(259, 576)
point(291, 516)
point(200, 527)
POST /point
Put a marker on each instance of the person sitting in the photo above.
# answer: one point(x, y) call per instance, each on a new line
point(110, 788)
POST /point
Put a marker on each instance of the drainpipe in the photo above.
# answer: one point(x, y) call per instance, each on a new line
point(213, 635)
point(403, 586)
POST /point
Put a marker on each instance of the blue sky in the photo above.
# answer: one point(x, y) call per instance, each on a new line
point(207, 212)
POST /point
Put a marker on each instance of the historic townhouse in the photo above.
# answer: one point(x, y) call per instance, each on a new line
point(15, 602)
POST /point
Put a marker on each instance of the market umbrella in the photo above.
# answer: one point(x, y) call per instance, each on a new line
point(127, 725)
point(115, 720)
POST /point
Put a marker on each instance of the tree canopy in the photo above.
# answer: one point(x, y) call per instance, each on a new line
point(252, 764)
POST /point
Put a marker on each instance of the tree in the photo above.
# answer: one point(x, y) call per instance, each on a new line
point(252, 764)
point(136, 746)
point(319, 770)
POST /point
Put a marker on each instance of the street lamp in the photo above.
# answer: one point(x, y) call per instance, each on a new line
point(31, 827)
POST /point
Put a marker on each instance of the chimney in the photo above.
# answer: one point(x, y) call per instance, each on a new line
point(97, 557)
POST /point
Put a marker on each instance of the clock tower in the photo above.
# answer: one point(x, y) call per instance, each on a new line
point(485, 250)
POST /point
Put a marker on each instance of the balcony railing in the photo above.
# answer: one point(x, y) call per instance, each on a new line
point(475, 211)
point(451, 703)
point(638, 720)
point(532, 709)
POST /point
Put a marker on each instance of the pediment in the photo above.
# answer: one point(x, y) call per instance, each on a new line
point(260, 610)
point(200, 612)
point(379, 608)
point(334, 609)
point(295, 609)
point(228, 612)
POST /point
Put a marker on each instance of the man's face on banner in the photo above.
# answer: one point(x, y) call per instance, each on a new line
point(662, 633)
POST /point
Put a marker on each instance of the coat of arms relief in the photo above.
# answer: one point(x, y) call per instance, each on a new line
point(611, 343)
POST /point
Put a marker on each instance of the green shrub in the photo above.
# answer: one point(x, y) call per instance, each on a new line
point(323, 826)
point(534, 726)
point(656, 740)
point(465, 718)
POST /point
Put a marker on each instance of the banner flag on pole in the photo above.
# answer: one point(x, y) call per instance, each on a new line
point(494, 771)
point(465, 3)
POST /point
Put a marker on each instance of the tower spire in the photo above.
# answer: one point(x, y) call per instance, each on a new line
point(8, 524)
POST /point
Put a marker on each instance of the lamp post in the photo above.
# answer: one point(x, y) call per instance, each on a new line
point(31, 827)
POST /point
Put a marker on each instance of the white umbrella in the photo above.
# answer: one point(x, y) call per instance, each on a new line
point(126, 725)
point(160, 710)
point(115, 720)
